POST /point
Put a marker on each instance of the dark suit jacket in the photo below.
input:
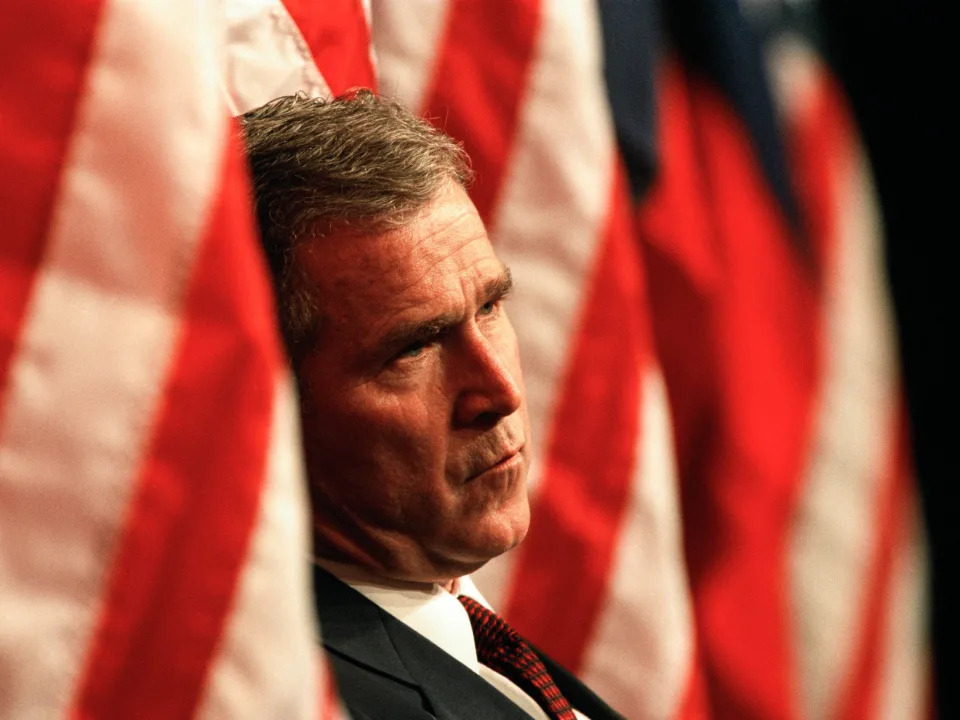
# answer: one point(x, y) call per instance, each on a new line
point(386, 671)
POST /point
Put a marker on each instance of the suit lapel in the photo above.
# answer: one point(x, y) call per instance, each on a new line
point(352, 626)
point(358, 629)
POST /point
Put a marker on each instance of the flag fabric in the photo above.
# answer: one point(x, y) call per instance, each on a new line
point(153, 536)
point(775, 336)
point(276, 48)
point(857, 555)
point(599, 583)
point(908, 133)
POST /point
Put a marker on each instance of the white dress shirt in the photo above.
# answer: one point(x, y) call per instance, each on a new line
point(436, 614)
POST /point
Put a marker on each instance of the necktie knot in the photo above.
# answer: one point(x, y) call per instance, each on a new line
point(501, 648)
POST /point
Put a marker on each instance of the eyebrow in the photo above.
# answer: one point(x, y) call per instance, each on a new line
point(405, 334)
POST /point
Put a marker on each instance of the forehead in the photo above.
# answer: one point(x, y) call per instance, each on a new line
point(441, 257)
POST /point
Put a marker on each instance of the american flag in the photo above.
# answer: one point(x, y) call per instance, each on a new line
point(805, 553)
point(858, 559)
point(153, 540)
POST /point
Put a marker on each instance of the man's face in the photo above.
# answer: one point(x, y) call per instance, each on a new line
point(415, 423)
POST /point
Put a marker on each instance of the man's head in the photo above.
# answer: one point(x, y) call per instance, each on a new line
point(390, 295)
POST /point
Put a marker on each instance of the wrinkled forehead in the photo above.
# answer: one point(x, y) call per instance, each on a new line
point(442, 249)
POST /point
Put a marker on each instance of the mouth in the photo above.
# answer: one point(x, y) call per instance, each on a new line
point(506, 462)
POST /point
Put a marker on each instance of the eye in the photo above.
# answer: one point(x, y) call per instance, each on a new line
point(412, 350)
point(488, 308)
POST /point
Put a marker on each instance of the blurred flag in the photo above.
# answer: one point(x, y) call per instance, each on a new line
point(774, 331)
point(599, 583)
point(153, 531)
point(857, 558)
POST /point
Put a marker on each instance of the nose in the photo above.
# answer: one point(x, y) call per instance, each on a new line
point(488, 379)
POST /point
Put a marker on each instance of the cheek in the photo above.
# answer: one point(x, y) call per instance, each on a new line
point(383, 435)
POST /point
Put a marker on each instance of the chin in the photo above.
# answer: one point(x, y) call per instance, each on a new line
point(493, 536)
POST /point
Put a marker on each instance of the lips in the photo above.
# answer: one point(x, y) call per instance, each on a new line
point(503, 460)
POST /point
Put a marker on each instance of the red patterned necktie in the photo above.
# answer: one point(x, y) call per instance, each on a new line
point(501, 648)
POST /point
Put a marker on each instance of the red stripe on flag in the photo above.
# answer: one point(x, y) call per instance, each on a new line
point(189, 525)
point(860, 699)
point(591, 454)
point(45, 50)
point(338, 36)
point(478, 85)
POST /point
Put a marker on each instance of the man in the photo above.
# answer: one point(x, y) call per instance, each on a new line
point(415, 428)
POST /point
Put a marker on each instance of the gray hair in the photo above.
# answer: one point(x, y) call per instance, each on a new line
point(358, 162)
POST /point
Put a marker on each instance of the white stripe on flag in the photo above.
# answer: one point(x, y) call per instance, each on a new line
point(640, 657)
point(266, 55)
point(99, 333)
point(84, 388)
point(266, 666)
point(406, 39)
